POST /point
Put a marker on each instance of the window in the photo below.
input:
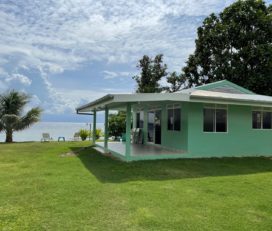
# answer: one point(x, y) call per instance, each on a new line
point(140, 119)
point(266, 120)
point(261, 119)
point(209, 118)
point(257, 119)
point(173, 118)
point(215, 120)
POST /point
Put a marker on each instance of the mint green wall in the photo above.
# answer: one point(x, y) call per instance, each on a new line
point(171, 139)
point(175, 139)
point(240, 140)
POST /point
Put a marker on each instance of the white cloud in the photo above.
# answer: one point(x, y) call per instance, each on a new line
point(65, 33)
point(19, 78)
point(115, 74)
point(55, 36)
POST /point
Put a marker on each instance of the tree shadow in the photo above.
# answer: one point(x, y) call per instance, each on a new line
point(108, 170)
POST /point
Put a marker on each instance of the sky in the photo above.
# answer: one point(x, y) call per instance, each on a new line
point(65, 53)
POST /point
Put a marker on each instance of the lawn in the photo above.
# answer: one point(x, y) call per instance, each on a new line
point(41, 189)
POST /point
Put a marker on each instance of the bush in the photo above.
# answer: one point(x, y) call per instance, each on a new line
point(117, 124)
point(83, 133)
point(98, 133)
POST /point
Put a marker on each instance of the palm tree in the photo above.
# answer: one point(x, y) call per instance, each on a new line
point(11, 113)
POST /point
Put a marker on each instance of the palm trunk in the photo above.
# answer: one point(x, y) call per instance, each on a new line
point(9, 138)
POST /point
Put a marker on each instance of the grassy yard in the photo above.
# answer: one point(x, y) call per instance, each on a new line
point(42, 190)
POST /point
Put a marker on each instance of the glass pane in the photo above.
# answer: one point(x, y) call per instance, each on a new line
point(141, 125)
point(208, 123)
point(221, 120)
point(256, 120)
point(137, 120)
point(151, 118)
point(266, 120)
point(177, 119)
point(158, 127)
point(170, 119)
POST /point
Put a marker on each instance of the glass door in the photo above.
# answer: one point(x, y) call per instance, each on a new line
point(157, 121)
point(154, 127)
point(151, 120)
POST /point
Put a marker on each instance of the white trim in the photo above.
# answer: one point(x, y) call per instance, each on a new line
point(261, 110)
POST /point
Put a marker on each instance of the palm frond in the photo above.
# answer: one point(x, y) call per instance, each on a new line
point(30, 118)
point(9, 121)
point(13, 102)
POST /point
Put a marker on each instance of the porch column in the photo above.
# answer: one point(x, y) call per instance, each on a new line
point(128, 131)
point(94, 126)
point(145, 128)
point(106, 131)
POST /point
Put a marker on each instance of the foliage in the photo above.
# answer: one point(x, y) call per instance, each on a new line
point(117, 123)
point(11, 109)
point(175, 82)
point(235, 45)
point(41, 190)
point(83, 133)
point(152, 71)
point(98, 133)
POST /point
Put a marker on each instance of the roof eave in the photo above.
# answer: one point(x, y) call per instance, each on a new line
point(103, 99)
point(205, 99)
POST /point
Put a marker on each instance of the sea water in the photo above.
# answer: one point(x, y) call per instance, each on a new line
point(55, 129)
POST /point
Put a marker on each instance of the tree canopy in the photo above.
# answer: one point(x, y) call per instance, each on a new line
point(152, 71)
point(235, 45)
point(117, 123)
point(11, 113)
point(175, 82)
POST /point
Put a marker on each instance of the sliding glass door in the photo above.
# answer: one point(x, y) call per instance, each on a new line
point(154, 126)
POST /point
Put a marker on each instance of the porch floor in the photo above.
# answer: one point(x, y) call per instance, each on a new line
point(140, 149)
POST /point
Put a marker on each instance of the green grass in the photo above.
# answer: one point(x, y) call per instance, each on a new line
point(40, 190)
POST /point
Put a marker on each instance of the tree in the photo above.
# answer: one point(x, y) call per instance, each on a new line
point(11, 113)
point(176, 81)
point(152, 71)
point(117, 123)
point(235, 45)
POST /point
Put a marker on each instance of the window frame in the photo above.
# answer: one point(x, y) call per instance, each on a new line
point(261, 110)
point(173, 107)
point(215, 107)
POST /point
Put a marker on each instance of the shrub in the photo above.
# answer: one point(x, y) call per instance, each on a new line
point(83, 133)
point(98, 133)
point(117, 124)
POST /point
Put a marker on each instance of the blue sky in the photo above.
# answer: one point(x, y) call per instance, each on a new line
point(69, 52)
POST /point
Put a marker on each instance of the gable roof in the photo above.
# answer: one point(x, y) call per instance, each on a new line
point(221, 92)
point(225, 86)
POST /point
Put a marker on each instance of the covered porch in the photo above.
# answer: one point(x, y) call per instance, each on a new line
point(150, 146)
point(140, 151)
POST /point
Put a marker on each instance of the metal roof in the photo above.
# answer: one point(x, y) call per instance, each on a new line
point(198, 94)
point(243, 99)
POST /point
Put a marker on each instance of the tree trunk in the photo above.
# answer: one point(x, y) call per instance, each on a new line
point(9, 136)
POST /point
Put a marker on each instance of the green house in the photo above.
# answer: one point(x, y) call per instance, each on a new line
point(220, 119)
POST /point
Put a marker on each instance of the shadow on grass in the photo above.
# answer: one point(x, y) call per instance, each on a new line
point(110, 170)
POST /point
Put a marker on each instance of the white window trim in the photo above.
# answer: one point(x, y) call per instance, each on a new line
point(216, 106)
point(262, 110)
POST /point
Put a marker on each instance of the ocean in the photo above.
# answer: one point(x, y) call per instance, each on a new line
point(55, 129)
